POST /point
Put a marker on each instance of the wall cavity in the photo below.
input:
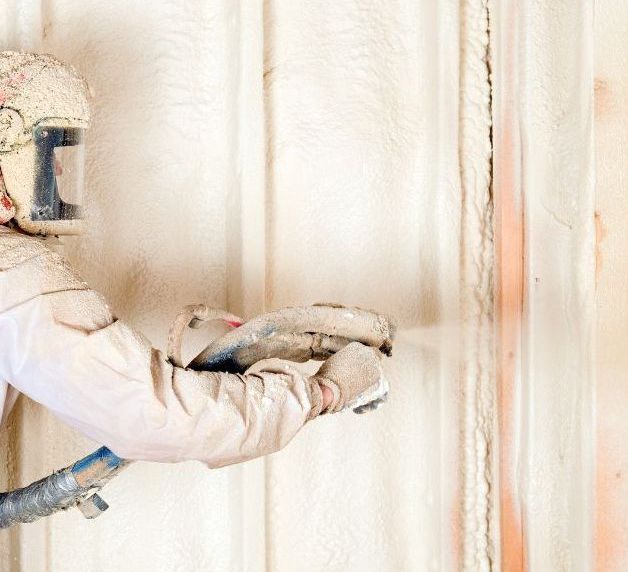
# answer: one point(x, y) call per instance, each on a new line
point(611, 214)
point(544, 191)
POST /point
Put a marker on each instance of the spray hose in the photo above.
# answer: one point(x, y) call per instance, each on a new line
point(76, 485)
point(297, 334)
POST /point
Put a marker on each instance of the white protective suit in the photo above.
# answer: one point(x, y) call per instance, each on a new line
point(62, 346)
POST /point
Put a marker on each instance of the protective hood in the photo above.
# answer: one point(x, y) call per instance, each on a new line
point(43, 118)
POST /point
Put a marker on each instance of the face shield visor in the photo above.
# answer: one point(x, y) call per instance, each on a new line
point(59, 173)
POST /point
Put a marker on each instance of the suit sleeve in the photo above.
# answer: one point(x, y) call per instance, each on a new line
point(63, 348)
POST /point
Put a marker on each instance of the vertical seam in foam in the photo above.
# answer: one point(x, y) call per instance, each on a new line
point(477, 382)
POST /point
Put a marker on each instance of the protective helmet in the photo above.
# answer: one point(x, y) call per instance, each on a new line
point(43, 118)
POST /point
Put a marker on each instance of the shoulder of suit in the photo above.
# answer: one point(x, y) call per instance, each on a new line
point(27, 259)
point(16, 248)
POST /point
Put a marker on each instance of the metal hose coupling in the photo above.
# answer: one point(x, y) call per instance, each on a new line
point(76, 485)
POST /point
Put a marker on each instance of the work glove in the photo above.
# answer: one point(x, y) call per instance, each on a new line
point(355, 377)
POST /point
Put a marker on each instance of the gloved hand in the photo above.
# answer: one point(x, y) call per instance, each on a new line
point(354, 375)
point(352, 340)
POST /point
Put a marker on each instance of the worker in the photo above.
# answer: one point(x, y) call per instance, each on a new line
point(60, 343)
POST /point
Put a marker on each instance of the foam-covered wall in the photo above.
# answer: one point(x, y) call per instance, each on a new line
point(254, 156)
point(431, 159)
point(611, 142)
